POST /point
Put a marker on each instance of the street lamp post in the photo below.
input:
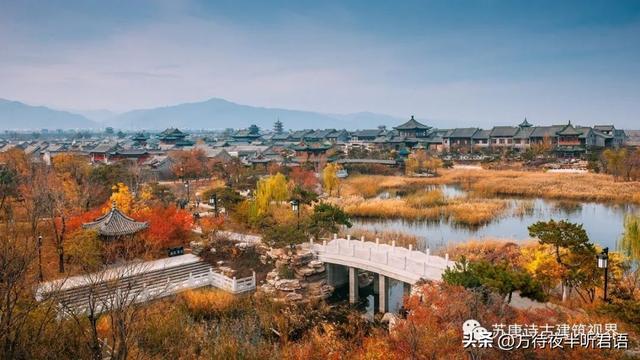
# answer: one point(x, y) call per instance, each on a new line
point(603, 263)
point(40, 258)
point(295, 206)
point(213, 201)
point(186, 186)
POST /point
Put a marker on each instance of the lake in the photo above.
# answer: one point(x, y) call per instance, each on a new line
point(604, 223)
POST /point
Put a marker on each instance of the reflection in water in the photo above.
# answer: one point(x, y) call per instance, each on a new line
point(567, 207)
point(604, 223)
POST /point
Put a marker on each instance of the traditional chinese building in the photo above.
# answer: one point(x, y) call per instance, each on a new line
point(413, 128)
point(115, 225)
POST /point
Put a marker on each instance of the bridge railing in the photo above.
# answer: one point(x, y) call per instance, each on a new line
point(395, 257)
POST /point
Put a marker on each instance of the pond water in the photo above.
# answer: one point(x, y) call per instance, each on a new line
point(604, 223)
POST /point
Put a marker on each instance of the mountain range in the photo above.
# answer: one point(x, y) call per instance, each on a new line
point(214, 113)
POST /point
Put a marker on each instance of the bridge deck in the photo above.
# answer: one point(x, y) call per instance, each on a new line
point(395, 262)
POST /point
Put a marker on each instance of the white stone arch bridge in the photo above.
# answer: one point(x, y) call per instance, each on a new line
point(390, 263)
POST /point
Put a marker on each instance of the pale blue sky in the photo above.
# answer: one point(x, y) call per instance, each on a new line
point(455, 63)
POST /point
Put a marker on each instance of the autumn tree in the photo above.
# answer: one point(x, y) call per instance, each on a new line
point(330, 180)
point(191, 164)
point(305, 179)
point(572, 251)
point(167, 226)
point(614, 162)
point(271, 188)
point(121, 197)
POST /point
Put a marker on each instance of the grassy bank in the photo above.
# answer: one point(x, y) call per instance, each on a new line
point(465, 211)
point(491, 183)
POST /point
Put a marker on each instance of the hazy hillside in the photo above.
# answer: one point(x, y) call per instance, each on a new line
point(219, 114)
point(15, 115)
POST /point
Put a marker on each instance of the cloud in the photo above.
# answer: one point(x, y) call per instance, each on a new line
point(465, 69)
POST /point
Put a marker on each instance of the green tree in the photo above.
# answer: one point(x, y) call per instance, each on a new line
point(572, 250)
point(500, 278)
point(326, 219)
point(279, 236)
point(227, 198)
point(303, 196)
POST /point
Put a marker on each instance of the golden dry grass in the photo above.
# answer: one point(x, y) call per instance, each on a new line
point(426, 199)
point(488, 183)
point(465, 211)
point(208, 303)
point(476, 212)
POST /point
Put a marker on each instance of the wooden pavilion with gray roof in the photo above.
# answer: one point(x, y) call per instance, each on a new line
point(115, 225)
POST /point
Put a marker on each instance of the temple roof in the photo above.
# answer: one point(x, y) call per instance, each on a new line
point(569, 130)
point(525, 123)
point(115, 223)
point(412, 124)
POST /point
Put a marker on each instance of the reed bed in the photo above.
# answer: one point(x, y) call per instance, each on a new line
point(426, 199)
point(492, 183)
point(472, 212)
point(477, 212)
point(523, 208)
point(580, 187)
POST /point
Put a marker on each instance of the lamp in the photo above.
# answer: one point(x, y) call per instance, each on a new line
point(603, 263)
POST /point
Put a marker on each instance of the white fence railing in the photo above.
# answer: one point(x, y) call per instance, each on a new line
point(102, 292)
point(389, 258)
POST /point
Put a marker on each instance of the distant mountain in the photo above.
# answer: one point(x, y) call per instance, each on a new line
point(98, 116)
point(220, 114)
point(15, 115)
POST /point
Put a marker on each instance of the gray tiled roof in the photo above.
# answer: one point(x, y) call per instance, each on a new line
point(524, 133)
point(463, 133)
point(504, 131)
point(367, 133)
point(542, 131)
point(482, 134)
point(115, 223)
point(412, 124)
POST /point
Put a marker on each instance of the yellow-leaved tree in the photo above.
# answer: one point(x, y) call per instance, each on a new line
point(268, 189)
point(121, 197)
point(330, 181)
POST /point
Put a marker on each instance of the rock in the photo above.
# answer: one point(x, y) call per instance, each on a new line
point(212, 250)
point(305, 271)
point(303, 258)
point(242, 246)
point(220, 263)
point(316, 264)
point(227, 271)
point(288, 284)
point(293, 297)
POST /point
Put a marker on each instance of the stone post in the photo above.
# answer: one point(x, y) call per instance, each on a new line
point(353, 285)
point(383, 291)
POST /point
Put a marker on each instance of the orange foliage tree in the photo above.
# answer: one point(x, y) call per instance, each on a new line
point(167, 225)
point(306, 179)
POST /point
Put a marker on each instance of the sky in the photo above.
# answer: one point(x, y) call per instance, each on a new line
point(452, 63)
